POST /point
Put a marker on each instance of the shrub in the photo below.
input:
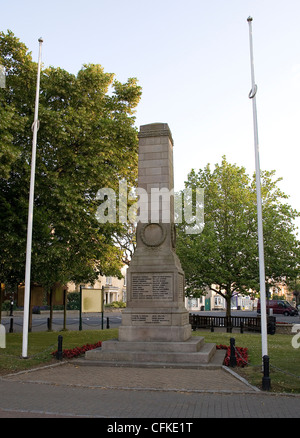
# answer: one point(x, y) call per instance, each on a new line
point(77, 351)
point(73, 301)
point(241, 355)
point(116, 304)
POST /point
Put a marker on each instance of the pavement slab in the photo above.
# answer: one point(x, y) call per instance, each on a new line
point(69, 390)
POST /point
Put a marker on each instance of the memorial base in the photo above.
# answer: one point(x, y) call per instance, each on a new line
point(163, 324)
point(192, 353)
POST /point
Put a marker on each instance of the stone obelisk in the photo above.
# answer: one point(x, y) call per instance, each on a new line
point(155, 323)
point(155, 280)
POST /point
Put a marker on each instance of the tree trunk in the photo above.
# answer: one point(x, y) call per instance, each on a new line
point(228, 313)
point(228, 306)
point(51, 309)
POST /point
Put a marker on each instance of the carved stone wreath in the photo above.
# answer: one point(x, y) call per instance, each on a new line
point(153, 234)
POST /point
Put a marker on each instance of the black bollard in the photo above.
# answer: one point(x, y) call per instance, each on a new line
point(212, 326)
point(11, 325)
point(59, 354)
point(49, 324)
point(107, 323)
point(242, 327)
point(266, 381)
point(232, 360)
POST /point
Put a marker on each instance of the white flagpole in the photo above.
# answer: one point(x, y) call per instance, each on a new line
point(30, 211)
point(252, 95)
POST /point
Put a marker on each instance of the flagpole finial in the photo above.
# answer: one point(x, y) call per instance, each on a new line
point(249, 19)
point(41, 40)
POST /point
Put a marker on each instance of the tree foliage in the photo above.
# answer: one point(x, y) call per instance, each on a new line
point(86, 141)
point(224, 257)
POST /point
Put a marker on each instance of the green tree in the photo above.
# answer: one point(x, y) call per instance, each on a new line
point(294, 286)
point(16, 99)
point(86, 141)
point(224, 257)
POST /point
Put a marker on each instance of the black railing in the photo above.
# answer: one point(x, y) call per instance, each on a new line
point(248, 323)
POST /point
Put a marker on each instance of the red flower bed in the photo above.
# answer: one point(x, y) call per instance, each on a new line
point(241, 355)
point(77, 351)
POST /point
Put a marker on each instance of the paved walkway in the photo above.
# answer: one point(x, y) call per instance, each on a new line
point(70, 390)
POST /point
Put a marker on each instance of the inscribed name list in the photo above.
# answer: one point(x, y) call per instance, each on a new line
point(152, 287)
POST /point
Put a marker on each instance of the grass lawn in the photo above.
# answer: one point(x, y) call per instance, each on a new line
point(41, 345)
point(280, 351)
point(282, 354)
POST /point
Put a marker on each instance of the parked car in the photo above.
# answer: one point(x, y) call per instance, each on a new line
point(279, 307)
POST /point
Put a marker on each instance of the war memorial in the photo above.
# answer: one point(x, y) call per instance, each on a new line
point(155, 324)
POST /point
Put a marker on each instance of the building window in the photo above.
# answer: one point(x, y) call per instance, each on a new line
point(218, 301)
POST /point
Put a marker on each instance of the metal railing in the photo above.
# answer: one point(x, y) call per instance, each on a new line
point(248, 323)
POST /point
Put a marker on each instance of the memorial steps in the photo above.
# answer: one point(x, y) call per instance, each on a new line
point(192, 353)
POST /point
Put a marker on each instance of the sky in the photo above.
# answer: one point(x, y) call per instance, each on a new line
point(192, 60)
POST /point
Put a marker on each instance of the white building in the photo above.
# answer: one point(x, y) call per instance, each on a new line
point(114, 288)
point(214, 301)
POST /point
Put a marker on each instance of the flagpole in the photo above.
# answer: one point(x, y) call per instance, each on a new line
point(252, 96)
point(30, 210)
